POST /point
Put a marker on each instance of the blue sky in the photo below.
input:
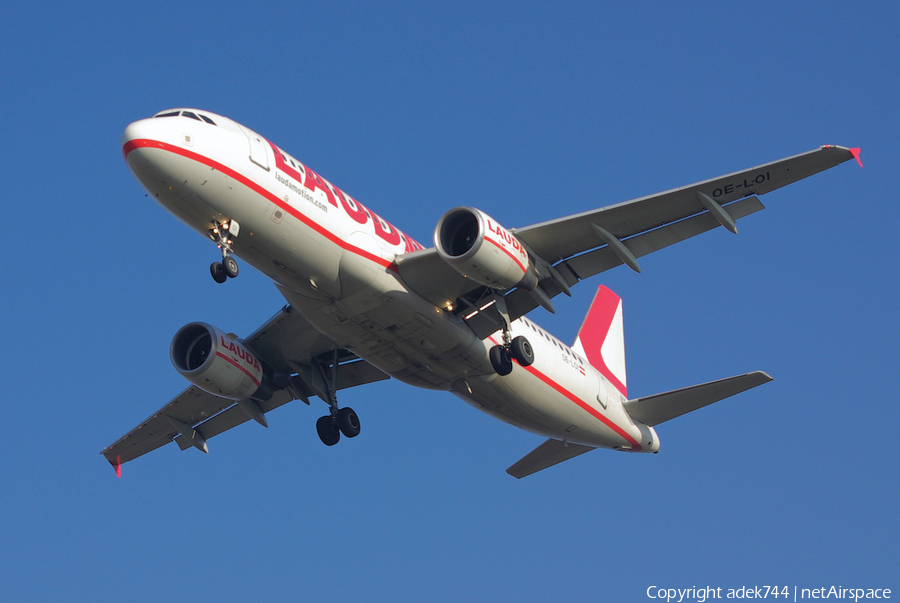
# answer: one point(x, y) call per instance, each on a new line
point(528, 111)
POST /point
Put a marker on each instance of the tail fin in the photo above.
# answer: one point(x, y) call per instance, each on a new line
point(601, 338)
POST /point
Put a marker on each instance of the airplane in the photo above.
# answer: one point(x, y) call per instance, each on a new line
point(367, 302)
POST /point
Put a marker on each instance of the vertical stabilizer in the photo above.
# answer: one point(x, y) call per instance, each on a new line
point(601, 338)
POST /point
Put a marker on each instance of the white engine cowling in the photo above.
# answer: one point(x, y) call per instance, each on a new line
point(216, 363)
point(477, 247)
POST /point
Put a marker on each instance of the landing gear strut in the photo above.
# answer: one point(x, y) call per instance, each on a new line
point(223, 236)
point(340, 420)
point(518, 349)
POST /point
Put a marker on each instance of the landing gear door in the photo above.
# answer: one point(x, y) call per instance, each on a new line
point(258, 153)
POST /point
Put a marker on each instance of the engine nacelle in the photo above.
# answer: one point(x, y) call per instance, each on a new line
point(217, 364)
point(482, 250)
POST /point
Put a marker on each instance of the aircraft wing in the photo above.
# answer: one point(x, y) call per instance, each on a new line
point(290, 346)
point(585, 244)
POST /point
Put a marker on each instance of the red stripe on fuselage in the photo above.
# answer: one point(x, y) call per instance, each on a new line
point(155, 144)
point(635, 446)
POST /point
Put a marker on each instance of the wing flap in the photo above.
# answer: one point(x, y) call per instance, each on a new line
point(659, 408)
point(232, 417)
point(551, 452)
point(562, 238)
point(599, 260)
point(588, 264)
point(192, 406)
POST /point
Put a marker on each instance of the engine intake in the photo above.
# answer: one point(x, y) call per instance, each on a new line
point(217, 363)
point(477, 247)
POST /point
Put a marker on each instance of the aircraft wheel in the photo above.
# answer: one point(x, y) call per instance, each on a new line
point(230, 266)
point(328, 432)
point(521, 350)
point(348, 422)
point(500, 360)
point(218, 272)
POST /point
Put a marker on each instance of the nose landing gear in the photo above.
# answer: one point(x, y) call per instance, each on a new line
point(223, 236)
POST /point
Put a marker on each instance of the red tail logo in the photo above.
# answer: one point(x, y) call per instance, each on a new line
point(601, 338)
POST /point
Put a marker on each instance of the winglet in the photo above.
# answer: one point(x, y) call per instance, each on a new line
point(117, 465)
point(855, 153)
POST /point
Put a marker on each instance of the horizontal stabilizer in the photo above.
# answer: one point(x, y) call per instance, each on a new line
point(546, 455)
point(657, 409)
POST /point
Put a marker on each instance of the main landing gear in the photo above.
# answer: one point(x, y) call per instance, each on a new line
point(223, 236)
point(330, 427)
point(519, 349)
point(340, 420)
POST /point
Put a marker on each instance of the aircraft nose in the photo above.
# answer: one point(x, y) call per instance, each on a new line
point(138, 130)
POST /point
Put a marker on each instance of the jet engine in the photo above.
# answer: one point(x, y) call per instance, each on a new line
point(477, 247)
point(217, 363)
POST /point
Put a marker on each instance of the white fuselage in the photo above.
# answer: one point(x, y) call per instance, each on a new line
point(333, 259)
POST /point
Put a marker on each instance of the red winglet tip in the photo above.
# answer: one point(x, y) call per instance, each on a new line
point(855, 153)
point(118, 467)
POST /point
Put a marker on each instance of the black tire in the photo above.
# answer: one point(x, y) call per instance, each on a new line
point(500, 360)
point(348, 422)
point(328, 432)
point(230, 266)
point(521, 350)
point(218, 272)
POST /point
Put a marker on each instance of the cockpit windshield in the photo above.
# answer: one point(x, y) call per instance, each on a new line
point(187, 114)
